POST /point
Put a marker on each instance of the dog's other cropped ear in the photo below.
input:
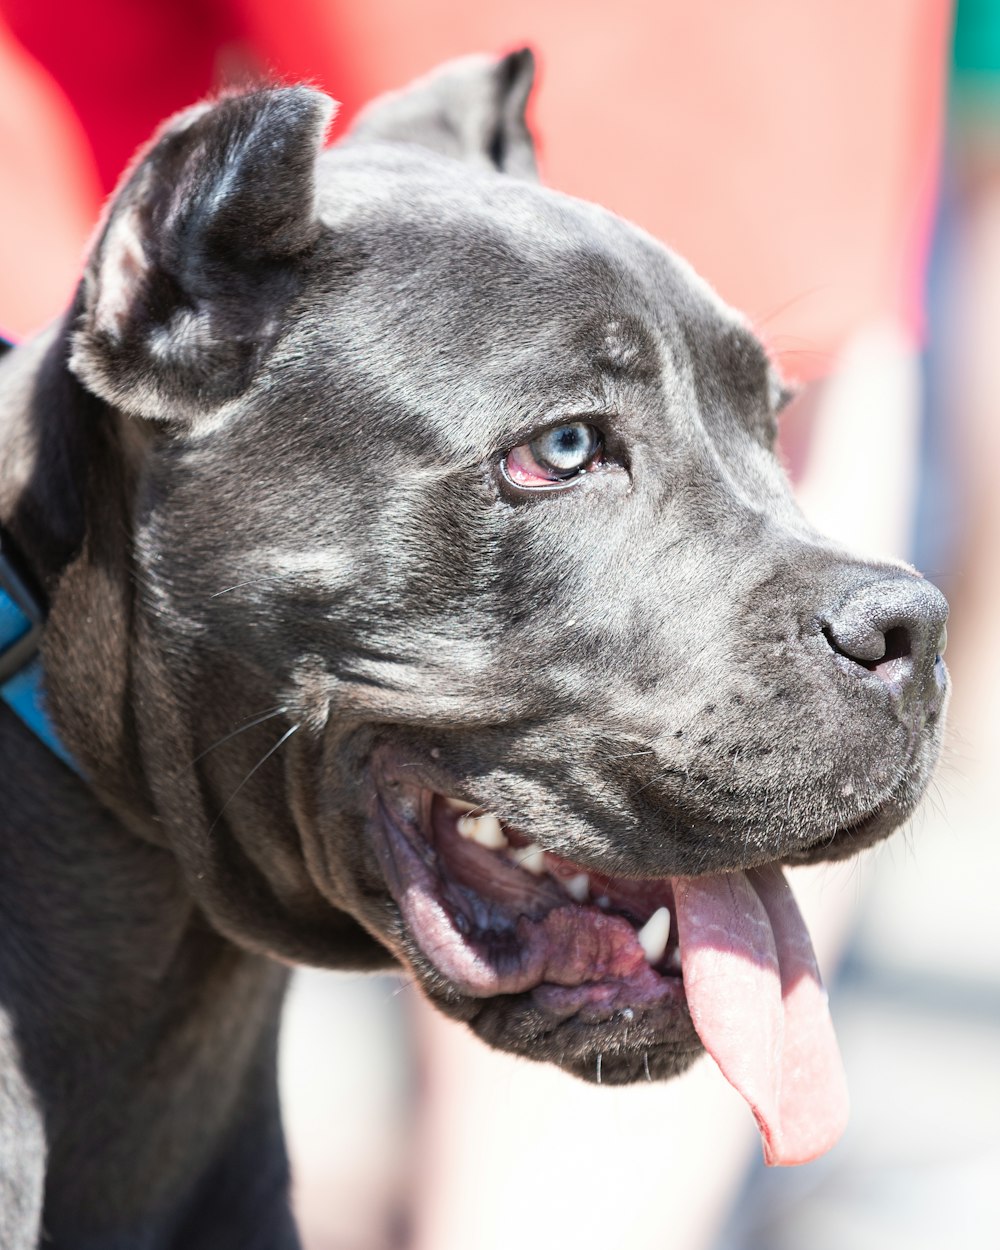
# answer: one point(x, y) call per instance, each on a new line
point(201, 251)
point(471, 109)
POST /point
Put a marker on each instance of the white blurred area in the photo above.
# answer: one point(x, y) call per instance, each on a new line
point(346, 1092)
point(407, 1132)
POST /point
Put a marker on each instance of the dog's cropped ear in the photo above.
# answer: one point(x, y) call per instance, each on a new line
point(471, 109)
point(200, 254)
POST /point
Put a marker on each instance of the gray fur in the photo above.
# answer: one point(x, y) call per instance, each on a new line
point(255, 469)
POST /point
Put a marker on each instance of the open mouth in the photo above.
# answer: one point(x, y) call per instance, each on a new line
point(502, 916)
point(724, 959)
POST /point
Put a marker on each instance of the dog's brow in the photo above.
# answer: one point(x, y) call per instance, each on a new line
point(625, 348)
point(620, 348)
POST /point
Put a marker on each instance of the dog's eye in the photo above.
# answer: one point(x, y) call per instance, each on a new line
point(557, 455)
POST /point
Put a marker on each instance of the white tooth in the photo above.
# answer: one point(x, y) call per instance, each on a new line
point(654, 934)
point(577, 887)
point(531, 858)
point(483, 829)
point(603, 902)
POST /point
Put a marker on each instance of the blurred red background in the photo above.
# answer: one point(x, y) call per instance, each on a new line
point(788, 151)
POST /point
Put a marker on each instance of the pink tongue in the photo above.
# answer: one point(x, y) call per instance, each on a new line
point(759, 1007)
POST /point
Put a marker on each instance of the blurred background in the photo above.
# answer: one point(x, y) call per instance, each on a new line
point(834, 170)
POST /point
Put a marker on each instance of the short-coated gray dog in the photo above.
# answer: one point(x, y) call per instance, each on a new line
point(422, 589)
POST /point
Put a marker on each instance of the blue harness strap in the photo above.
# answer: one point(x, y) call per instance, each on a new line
point(22, 616)
point(21, 621)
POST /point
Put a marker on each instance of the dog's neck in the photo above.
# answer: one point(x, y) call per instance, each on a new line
point(106, 1041)
point(122, 1054)
point(69, 465)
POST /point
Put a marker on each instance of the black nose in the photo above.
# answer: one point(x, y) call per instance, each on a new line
point(893, 628)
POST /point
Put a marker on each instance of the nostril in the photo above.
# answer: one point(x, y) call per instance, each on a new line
point(892, 628)
point(898, 645)
point(888, 655)
point(897, 663)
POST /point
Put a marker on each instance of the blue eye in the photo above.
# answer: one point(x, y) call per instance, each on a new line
point(556, 455)
point(566, 449)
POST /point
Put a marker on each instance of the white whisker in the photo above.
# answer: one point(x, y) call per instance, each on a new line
point(263, 760)
point(258, 720)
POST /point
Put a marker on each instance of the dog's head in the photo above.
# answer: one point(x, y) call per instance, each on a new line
point(475, 623)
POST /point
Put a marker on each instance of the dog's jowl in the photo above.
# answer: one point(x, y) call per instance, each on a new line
point(399, 572)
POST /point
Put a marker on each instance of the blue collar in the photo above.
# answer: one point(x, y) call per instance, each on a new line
point(22, 616)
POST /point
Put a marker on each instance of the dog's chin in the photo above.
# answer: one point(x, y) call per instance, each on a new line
point(632, 1044)
point(541, 956)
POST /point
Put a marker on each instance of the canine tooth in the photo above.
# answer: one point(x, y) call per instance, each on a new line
point(577, 887)
point(483, 829)
point(654, 934)
point(531, 858)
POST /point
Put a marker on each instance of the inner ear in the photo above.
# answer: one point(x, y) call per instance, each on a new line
point(471, 109)
point(202, 251)
point(511, 147)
